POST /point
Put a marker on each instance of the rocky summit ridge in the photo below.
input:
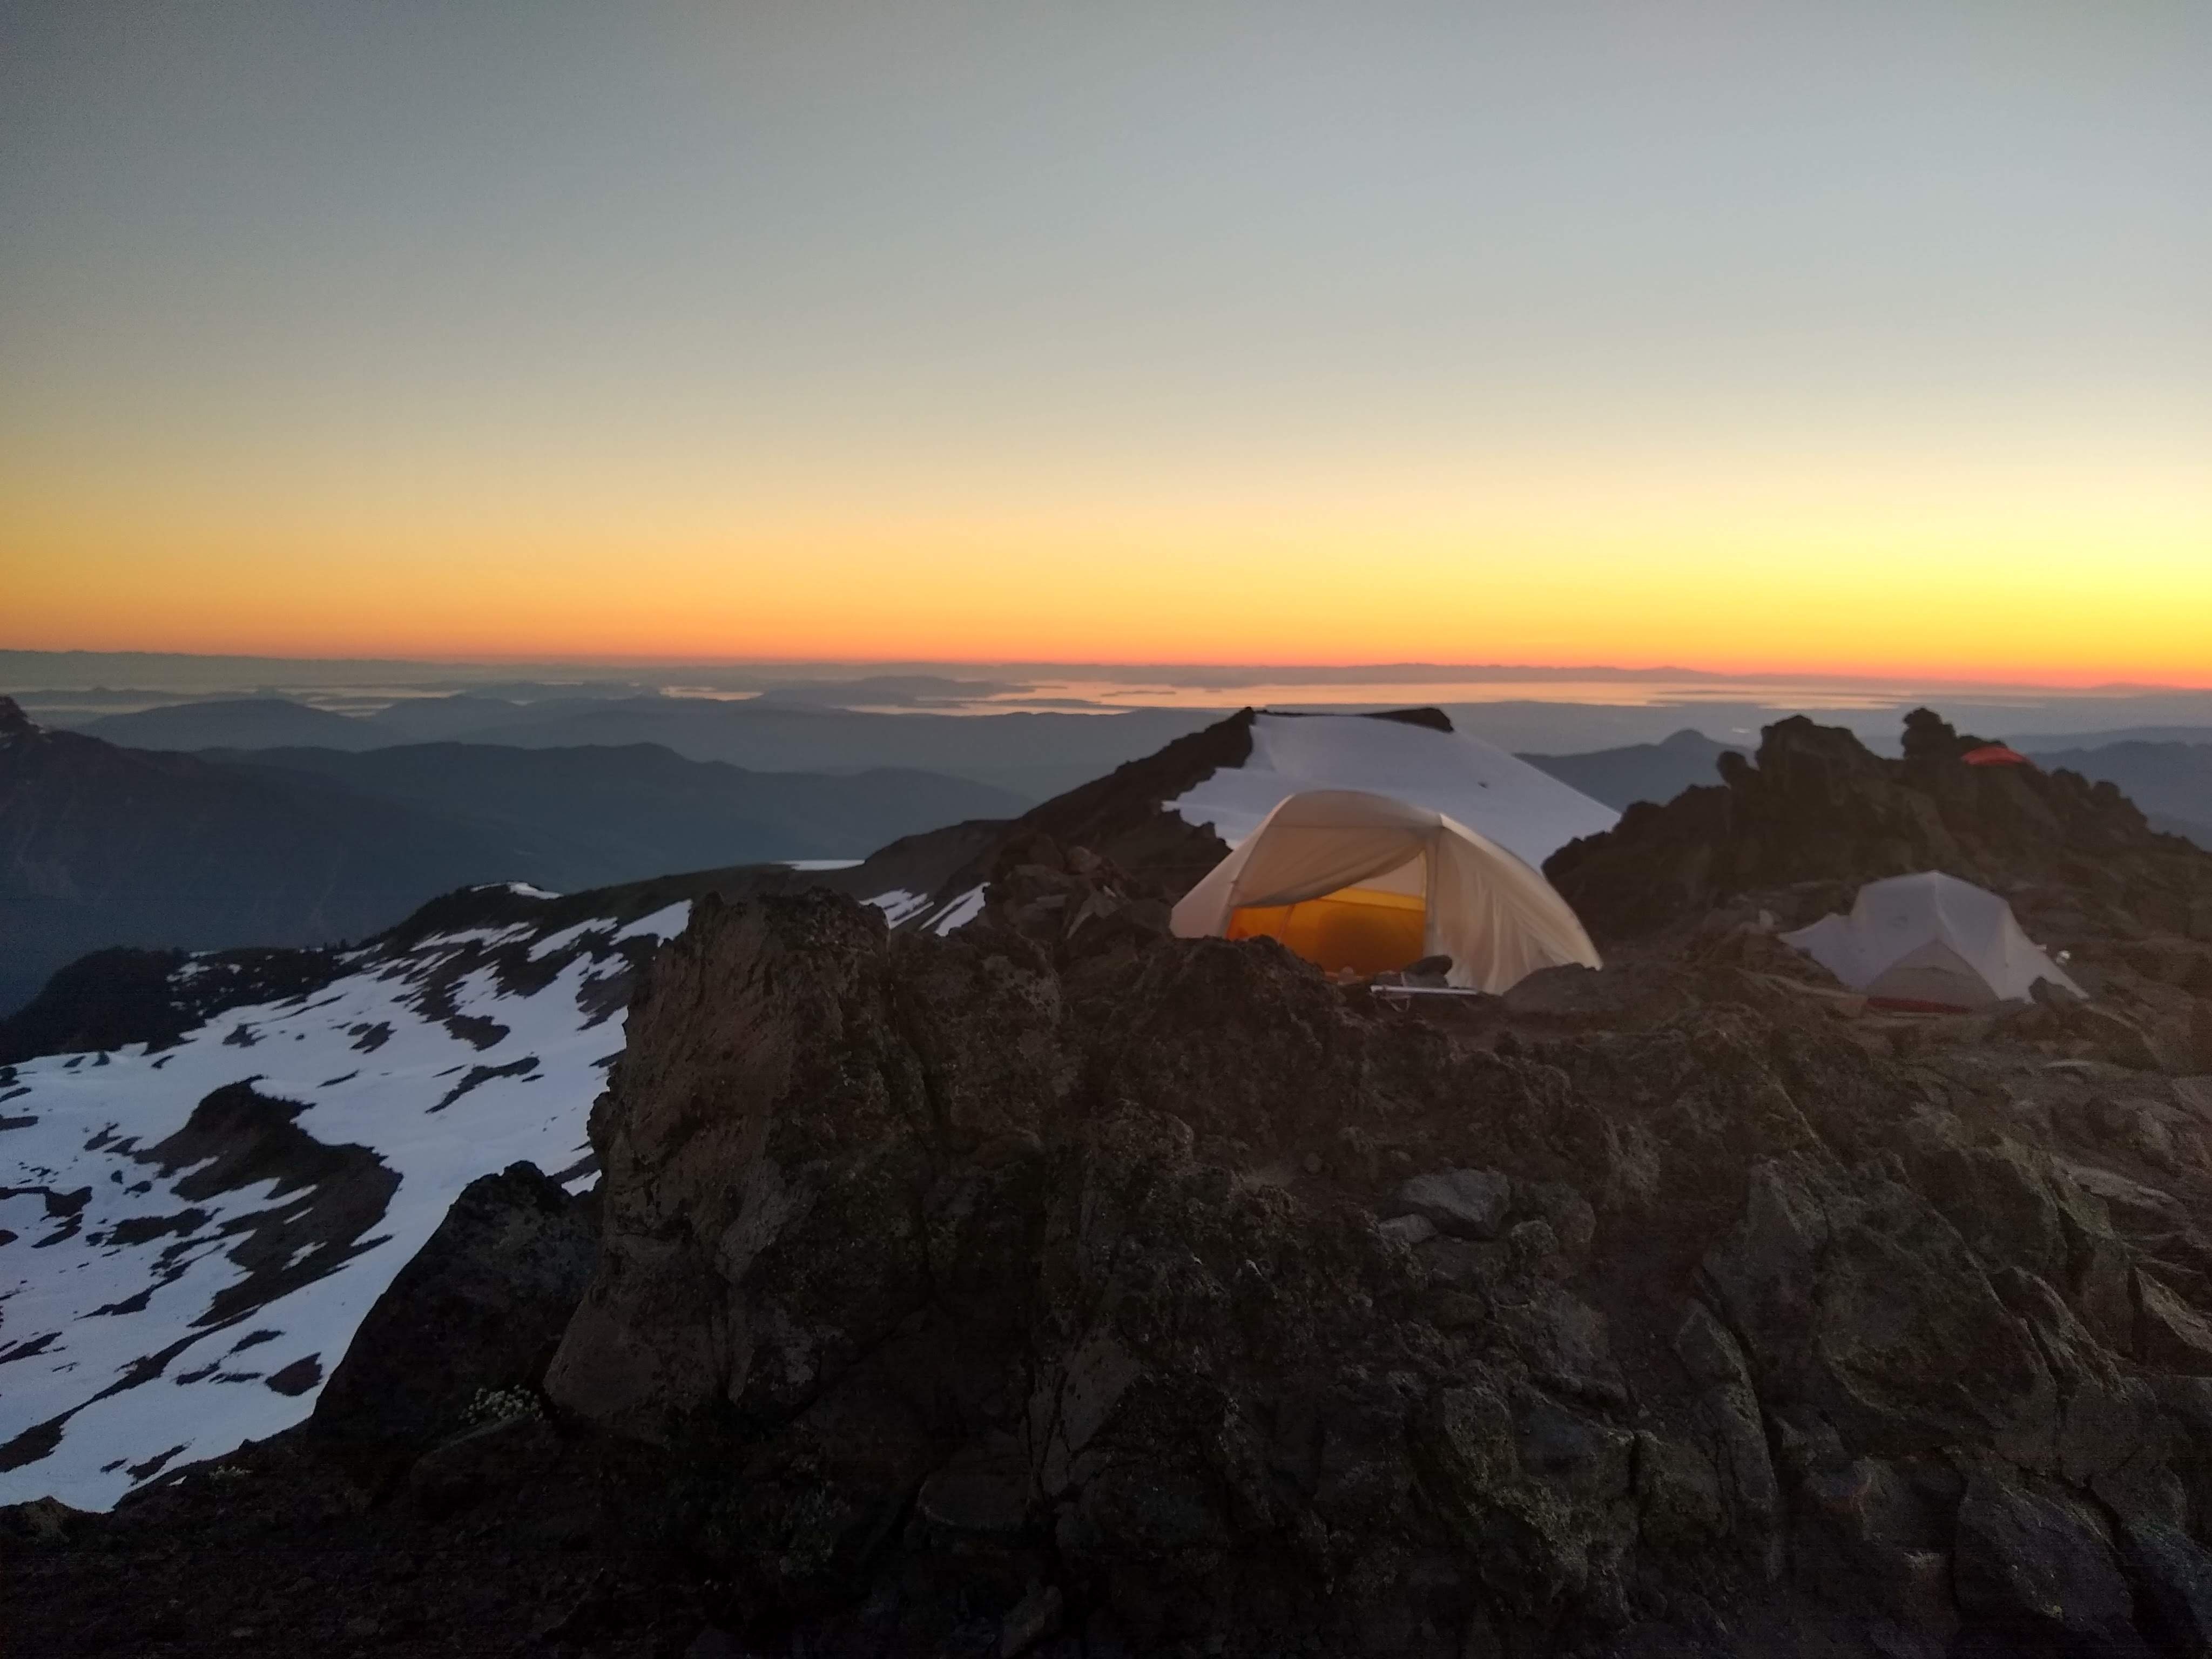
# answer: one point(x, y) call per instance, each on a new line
point(1817, 813)
point(1059, 1287)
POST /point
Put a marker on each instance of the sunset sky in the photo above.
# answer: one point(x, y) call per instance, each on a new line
point(1849, 337)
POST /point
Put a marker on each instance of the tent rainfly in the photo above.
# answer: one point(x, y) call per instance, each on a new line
point(1931, 940)
point(1531, 814)
point(1348, 880)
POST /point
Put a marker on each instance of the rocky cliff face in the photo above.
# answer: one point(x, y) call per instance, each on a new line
point(488, 1294)
point(1208, 1304)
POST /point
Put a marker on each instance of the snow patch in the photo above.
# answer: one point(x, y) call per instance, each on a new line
point(568, 937)
point(485, 936)
point(665, 923)
point(959, 912)
point(899, 905)
point(124, 1288)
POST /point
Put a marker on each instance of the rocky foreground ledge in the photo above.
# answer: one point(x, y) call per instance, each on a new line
point(954, 1298)
point(1061, 1288)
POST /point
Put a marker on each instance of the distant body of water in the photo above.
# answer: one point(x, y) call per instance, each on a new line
point(1111, 696)
point(1540, 709)
point(1398, 694)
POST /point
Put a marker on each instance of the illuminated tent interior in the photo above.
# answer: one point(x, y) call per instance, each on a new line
point(1353, 880)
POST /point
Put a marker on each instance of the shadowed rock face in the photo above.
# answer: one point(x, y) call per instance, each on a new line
point(776, 1140)
point(325, 1201)
point(479, 1308)
point(1817, 809)
point(952, 1276)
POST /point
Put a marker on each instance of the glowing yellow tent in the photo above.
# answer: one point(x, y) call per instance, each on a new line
point(1348, 880)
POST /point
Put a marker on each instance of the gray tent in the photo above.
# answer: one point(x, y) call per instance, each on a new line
point(1930, 938)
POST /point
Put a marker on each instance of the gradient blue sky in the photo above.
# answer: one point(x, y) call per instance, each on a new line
point(1595, 331)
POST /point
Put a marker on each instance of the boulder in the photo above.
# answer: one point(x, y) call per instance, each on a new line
point(479, 1310)
point(1678, 1492)
point(41, 1521)
point(1859, 1298)
point(1407, 1230)
point(2172, 1578)
point(479, 1462)
point(2171, 1335)
point(1875, 1536)
point(1465, 1203)
point(1728, 1413)
point(1031, 1619)
point(2034, 1564)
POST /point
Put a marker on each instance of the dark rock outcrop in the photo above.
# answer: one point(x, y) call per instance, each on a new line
point(1816, 813)
point(478, 1310)
point(1238, 1309)
point(1117, 820)
point(2039, 1566)
point(111, 998)
point(334, 1196)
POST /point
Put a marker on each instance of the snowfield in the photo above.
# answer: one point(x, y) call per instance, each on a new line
point(190, 1238)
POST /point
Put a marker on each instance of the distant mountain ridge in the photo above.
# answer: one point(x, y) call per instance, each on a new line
point(231, 723)
point(1030, 753)
point(1642, 771)
point(592, 816)
point(2057, 743)
point(2172, 781)
point(103, 846)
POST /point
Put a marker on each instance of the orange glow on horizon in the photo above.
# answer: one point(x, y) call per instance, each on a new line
point(2078, 577)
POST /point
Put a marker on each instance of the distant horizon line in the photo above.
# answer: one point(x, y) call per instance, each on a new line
point(1188, 672)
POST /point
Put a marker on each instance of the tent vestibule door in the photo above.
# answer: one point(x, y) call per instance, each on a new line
point(1374, 926)
point(1353, 880)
